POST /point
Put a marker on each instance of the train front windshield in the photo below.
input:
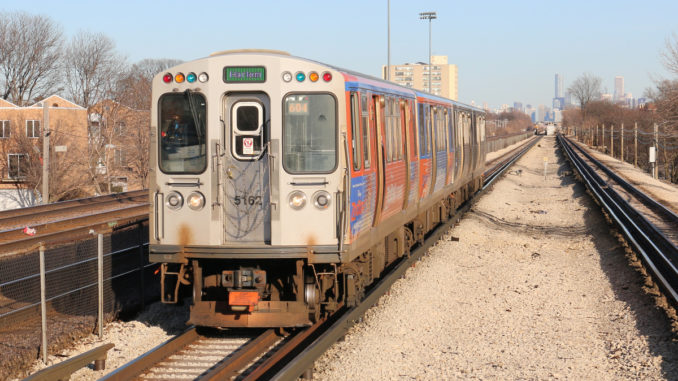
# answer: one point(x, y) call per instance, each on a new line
point(310, 130)
point(182, 133)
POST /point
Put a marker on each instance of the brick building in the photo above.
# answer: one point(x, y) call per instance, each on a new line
point(21, 145)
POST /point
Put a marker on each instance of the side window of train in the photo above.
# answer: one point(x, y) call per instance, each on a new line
point(467, 129)
point(482, 129)
point(450, 129)
point(410, 130)
point(388, 130)
point(365, 121)
point(400, 112)
point(460, 129)
point(247, 122)
point(424, 130)
point(440, 130)
point(356, 148)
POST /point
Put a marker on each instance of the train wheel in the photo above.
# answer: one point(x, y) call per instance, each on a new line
point(312, 298)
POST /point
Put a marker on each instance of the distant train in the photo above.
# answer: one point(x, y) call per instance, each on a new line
point(281, 187)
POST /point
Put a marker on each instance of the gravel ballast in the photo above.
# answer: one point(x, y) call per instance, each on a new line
point(535, 288)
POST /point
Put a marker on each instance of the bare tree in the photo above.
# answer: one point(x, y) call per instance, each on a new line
point(585, 89)
point(134, 89)
point(91, 65)
point(670, 54)
point(30, 51)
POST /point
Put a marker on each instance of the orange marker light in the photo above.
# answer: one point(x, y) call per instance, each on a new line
point(313, 76)
point(179, 78)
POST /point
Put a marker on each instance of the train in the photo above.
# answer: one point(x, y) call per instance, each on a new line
point(281, 188)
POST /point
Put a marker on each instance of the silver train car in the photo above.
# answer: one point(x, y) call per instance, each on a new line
point(281, 187)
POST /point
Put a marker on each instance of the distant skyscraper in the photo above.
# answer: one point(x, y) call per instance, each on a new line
point(618, 88)
point(559, 86)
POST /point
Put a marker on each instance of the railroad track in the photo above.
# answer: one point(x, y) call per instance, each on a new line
point(24, 216)
point(498, 166)
point(24, 229)
point(279, 354)
point(649, 227)
point(211, 355)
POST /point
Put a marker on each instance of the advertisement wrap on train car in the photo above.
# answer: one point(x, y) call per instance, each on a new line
point(362, 204)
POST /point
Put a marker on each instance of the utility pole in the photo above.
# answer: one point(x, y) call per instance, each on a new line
point(612, 141)
point(45, 152)
point(635, 144)
point(621, 136)
point(429, 16)
point(655, 173)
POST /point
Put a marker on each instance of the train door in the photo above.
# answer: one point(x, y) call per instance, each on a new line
point(425, 161)
point(245, 176)
point(440, 150)
point(451, 163)
point(409, 134)
point(459, 143)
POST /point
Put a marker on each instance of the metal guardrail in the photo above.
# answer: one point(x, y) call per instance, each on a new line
point(64, 369)
point(659, 255)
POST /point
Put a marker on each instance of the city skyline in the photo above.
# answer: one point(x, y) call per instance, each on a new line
point(504, 52)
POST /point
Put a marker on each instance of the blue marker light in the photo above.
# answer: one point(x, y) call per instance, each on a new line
point(301, 76)
point(191, 77)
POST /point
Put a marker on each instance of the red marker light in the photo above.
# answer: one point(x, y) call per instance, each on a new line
point(167, 78)
point(327, 77)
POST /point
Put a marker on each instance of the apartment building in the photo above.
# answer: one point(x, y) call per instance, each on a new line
point(444, 77)
point(22, 131)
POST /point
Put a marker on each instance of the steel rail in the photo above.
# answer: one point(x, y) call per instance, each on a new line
point(659, 255)
point(506, 162)
point(136, 367)
point(57, 232)
point(79, 204)
point(647, 200)
point(64, 369)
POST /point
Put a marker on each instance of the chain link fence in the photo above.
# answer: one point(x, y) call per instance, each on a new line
point(71, 284)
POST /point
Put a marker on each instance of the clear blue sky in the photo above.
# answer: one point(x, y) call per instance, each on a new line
point(506, 51)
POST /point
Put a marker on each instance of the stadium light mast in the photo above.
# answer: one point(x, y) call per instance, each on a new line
point(429, 16)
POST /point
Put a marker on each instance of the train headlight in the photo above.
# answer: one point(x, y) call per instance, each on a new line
point(321, 199)
point(203, 77)
point(196, 201)
point(287, 76)
point(174, 200)
point(297, 200)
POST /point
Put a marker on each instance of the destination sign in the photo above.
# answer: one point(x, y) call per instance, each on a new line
point(244, 74)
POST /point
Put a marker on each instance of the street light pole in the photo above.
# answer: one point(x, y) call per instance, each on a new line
point(429, 16)
point(388, 32)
